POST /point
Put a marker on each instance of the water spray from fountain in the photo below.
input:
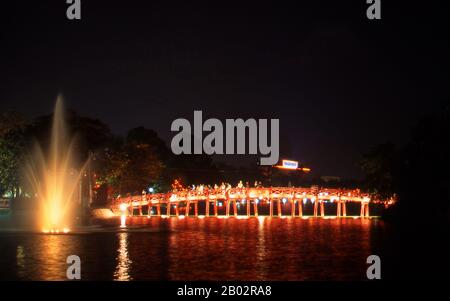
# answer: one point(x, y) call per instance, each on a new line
point(54, 179)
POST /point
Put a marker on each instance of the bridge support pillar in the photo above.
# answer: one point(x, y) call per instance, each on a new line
point(292, 208)
point(367, 210)
point(364, 209)
point(248, 207)
point(341, 209)
point(168, 208)
point(255, 208)
point(234, 207)
point(149, 211)
point(227, 208)
point(140, 210)
point(315, 208)
point(196, 208)
point(176, 209)
point(188, 206)
point(271, 208)
point(207, 208)
point(215, 208)
point(158, 208)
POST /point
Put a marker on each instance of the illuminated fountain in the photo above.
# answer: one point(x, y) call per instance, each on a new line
point(53, 179)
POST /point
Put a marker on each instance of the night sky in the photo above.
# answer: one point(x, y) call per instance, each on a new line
point(338, 82)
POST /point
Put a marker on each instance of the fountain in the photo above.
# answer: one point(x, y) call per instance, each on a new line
point(53, 179)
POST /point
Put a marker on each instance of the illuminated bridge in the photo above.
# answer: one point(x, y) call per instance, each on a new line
point(251, 198)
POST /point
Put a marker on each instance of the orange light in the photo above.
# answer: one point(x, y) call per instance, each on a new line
point(123, 221)
point(123, 207)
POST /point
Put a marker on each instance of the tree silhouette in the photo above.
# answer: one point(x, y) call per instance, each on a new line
point(419, 174)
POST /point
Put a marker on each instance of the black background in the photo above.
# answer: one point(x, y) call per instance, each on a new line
point(338, 82)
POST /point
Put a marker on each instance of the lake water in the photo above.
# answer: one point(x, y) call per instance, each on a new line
point(191, 248)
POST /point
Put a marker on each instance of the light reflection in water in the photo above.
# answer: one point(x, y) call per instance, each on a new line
point(49, 257)
point(20, 256)
point(122, 272)
point(261, 248)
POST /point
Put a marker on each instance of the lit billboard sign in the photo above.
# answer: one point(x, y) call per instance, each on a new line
point(289, 164)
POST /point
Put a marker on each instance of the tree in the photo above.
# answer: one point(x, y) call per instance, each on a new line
point(91, 134)
point(108, 163)
point(380, 168)
point(12, 145)
point(143, 168)
point(425, 178)
point(132, 164)
point(11, 121)
point(141, 135)
point(421, 215)
point(418, 173)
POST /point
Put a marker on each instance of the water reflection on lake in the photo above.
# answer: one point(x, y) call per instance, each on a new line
point(200, 249)
point(122, 271)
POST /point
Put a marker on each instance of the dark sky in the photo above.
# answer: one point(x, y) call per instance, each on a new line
point(338, 82)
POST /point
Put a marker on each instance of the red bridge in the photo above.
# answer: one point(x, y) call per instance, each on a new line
point(249, 197)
